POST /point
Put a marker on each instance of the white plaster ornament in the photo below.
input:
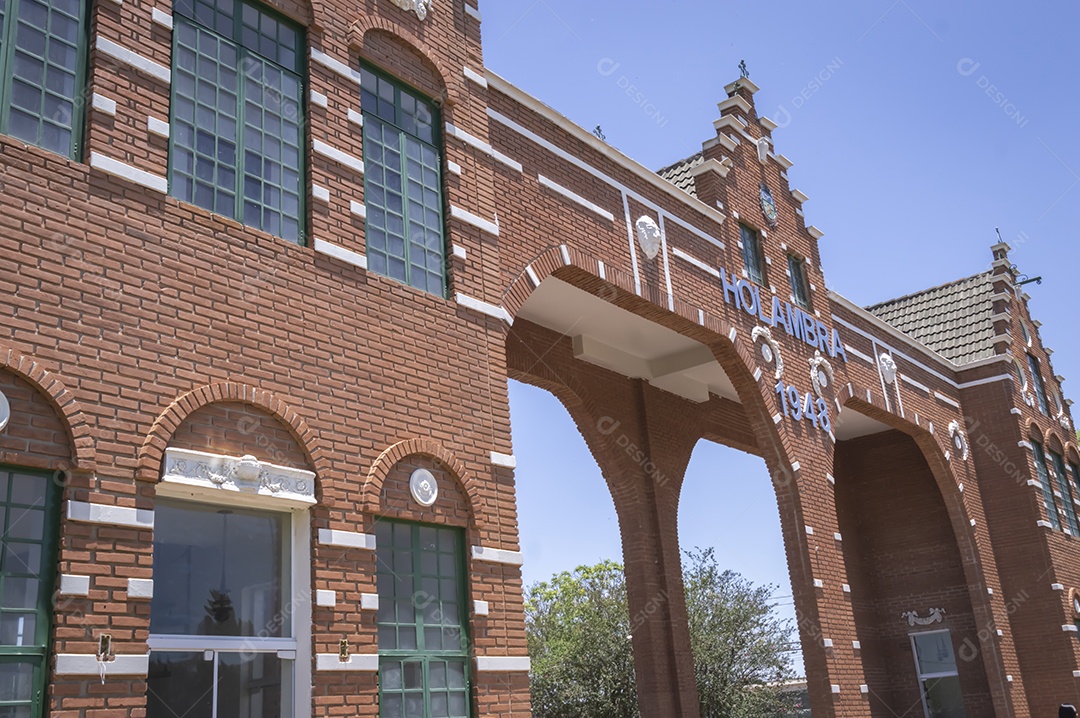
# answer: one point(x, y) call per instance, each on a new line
point(420, 7)
point(5, 411)
point(423, 487)
point(937, 615)
point(960, 442)
point(770, 349)
point(821, 373)
point(888, 368)
point(649, 236)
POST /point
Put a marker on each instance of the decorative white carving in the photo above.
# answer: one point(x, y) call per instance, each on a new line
point(421, 7)
point(423, 487)
point(244, 475)
point(888, 368)
point(649, 237)
point(937, 615)
point(5, 411)
point(770, 350)
point(821, 373)
point(960, 442)
point(1065, 421)
point(763, 150)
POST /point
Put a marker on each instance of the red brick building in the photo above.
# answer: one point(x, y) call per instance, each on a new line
point(266, 270)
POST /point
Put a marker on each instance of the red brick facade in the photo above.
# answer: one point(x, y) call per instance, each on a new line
point(134, 323)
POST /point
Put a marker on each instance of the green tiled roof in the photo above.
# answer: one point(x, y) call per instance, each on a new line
point(953, 319)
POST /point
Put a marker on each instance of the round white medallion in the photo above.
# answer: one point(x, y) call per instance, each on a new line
point(424, 488)
point(767, 353)
point(5, 411)
point(823, 378)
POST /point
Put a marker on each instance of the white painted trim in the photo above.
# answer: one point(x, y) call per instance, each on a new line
point(345, 255)
point(481, 608)
point(483, 147)
point(84, 512)
point(125, 171)
point(531, 273)
point(141, 588)
point(103, 104)
point(800, 196)
point(74, 585)
point(346, 539)
point(696, 262)
point(162, 18)
point(358, 208)
point(357, 118)
point(325, 598)
point(690, 201)
point(505, 460)
point(319, 99)
point(369, 602)
point(471, 74)
point(161, 128)
point(912, 382)
point(118, 52)
point(475, 220)
point(855, 352)
point(358, 662)
point(502, 664)
point(453, 168)
point(497, 555)
point(472, 12)
point(335, 65)
point(333, 153)
point(574, 197)
point(980, 382)
point(320, 193)
point(483, 307)
point(76, 664)
point(814, 232)
point(951, 402)
point(1025, 445)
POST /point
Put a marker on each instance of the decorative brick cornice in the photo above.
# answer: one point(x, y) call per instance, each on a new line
point(61, 399)
point(152, 451)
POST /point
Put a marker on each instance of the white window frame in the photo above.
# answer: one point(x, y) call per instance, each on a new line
point(930, 676)
point(295, 648)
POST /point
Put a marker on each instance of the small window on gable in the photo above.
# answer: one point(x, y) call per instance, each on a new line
point(753, 257)
point(800, 283)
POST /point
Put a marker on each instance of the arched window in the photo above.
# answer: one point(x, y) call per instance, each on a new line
point(237, 114)
point(42, 63)
point(402, 183)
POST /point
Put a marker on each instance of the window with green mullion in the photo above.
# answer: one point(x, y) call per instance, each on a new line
point(43, 66)
point(402, 184)
point(238, 114)
point(27, 570)
point(753, 261)
point(423, 641)
point(1066, 495)
point(1044, 483)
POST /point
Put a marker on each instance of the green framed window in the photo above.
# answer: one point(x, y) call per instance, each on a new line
point(800, 285)
point(1044, 483)
point(423, 639)
point(237, 139)
point(1039, 385)
point(43, 66)
point(753, 258)
point(27, 573)
point(1066, 495)
point(402, 183)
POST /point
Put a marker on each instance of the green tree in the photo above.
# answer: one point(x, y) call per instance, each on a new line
point(579, 629)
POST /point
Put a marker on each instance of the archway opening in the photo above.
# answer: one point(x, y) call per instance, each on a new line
point(917, 631)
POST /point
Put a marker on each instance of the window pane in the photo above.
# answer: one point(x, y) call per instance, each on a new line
point(1044, 483)
point(751, 247)
point(944, 698)
point(250, 685)
point(935, 653)
point(222, 572)
point(180, 684)
point(800, 288)
point(16, 681)
point(1058, 463)
point(1037, 382)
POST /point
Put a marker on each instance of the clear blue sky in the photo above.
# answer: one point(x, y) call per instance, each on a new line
point(904, 155)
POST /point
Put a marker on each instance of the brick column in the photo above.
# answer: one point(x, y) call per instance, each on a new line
point(643, 441)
